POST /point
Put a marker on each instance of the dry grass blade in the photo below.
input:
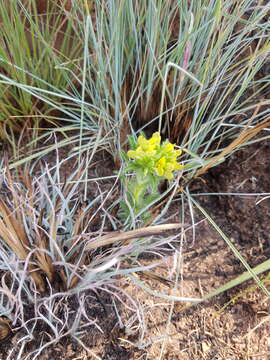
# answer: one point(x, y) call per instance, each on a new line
point(13, 234)
point(131, 235)
point(5, 329)
point(44, 261)
point(246, 135)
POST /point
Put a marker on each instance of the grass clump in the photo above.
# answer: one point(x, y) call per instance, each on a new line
point(38, 52)
point(50, 252)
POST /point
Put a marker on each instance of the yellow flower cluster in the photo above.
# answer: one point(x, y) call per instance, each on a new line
point(152, 157)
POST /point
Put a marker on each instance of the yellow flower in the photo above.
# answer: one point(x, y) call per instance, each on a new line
point(155, 139)
point(133, 154)
point(160, 165)
point(149, 145)
point(150, 156)
point(168, 147)
point(165, 167)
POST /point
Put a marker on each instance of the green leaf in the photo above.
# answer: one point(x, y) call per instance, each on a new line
point(132, 142)
point(124, 156)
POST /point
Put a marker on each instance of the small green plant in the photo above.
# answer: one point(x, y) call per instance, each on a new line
point(150, 162)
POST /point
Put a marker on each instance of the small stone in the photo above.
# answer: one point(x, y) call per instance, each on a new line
point(205, 347)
